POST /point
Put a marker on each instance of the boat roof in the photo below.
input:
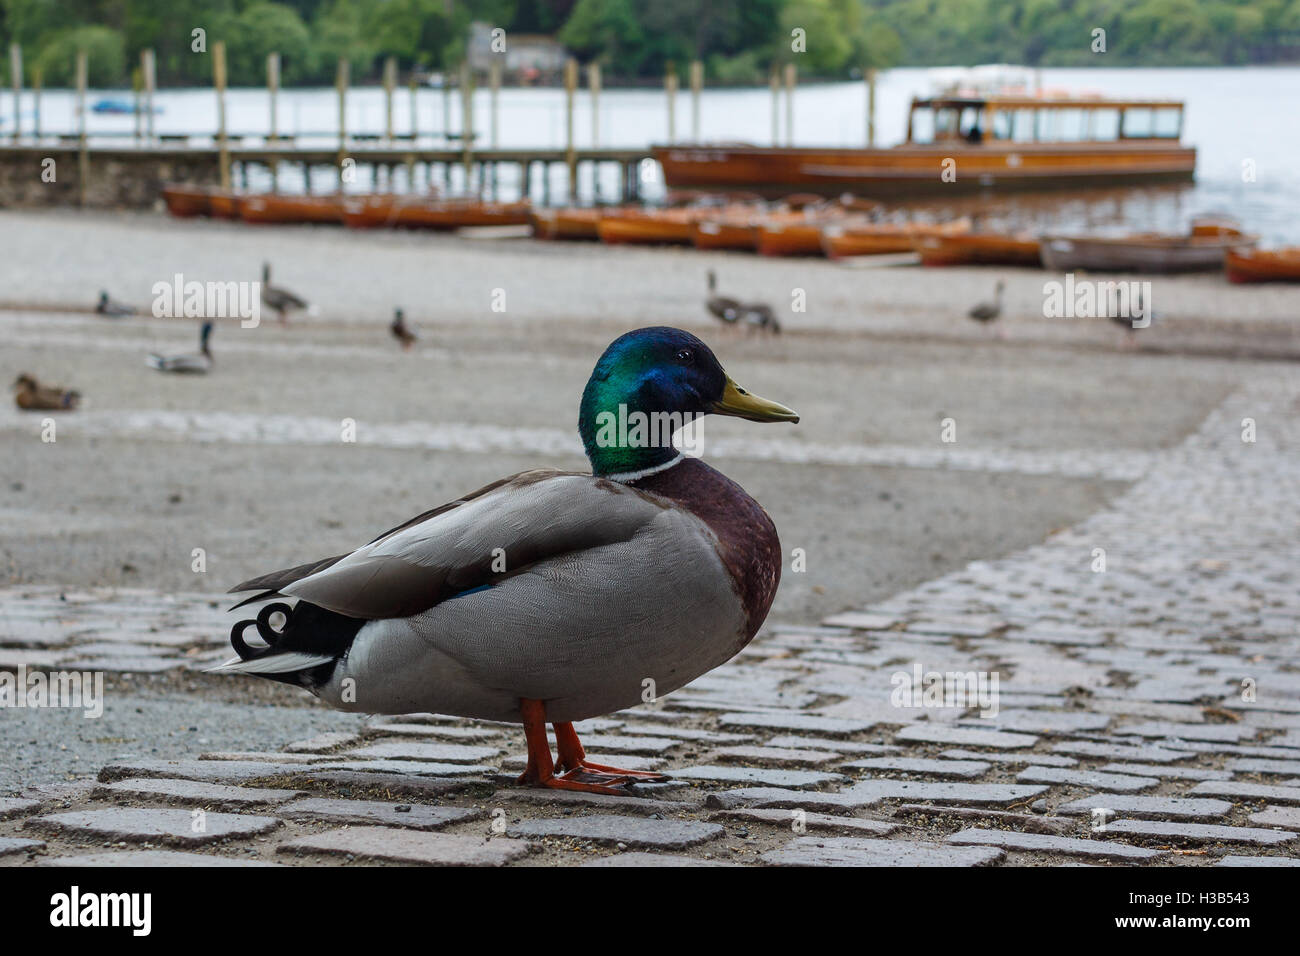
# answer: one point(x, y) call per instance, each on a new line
point(1028, 102)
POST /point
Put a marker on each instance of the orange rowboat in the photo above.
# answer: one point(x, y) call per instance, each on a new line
point(978, 248)
point(566, 223)
point(739, 232)
point(224, 205)
point(795, 233)
point(187, 201)
point(873, 239)
point(274, 208)
point(1263, 265)
point(422, 212)
point(660, 226)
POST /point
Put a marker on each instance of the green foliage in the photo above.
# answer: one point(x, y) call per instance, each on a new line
point(738, 40)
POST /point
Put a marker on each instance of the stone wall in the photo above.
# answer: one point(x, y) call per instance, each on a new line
point(49, 175)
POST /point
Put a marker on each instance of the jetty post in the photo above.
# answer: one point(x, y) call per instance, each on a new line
point(219, 81)
point(341, 84)
point(670, 87)
point(697, 85)
point(83, 156)
point(137, 103)
point(16, 74)
point(37, 77)
point(149, 66)
point(390, 83)
point(774, 81)
point(790, 74)
point(273, 95)
point(467, 120)
point(410, 157)
point(871, 106)
point(570, 150)
point(593, 87)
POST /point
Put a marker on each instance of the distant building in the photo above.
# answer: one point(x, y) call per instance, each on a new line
point(528, 57)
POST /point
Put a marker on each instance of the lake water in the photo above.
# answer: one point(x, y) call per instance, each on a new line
point(1234, 115)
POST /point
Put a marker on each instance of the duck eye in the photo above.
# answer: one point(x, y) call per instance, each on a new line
point(685, 355)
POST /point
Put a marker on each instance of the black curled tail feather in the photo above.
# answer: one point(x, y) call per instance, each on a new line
point(307, 628)
point(264, 630)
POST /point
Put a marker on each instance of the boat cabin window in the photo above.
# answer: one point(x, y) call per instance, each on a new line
point(1152, 123)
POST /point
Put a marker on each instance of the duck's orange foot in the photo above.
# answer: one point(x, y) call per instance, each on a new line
point(634, 776)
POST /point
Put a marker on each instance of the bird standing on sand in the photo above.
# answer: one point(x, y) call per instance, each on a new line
point(30, 395)
point(401, 331)
point(731, 311)
point(199, 364)
point(987, 312)
point(106, 306)
point(548, 596)
point(279, 300)
point(1136, 310)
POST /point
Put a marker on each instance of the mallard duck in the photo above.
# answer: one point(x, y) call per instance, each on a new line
point(401, 331)
point(281, 301)
point(32, 396)
point(549, 595)
point(199, 364)
point(113, 310)
point(1136, 310)
point(731, 311)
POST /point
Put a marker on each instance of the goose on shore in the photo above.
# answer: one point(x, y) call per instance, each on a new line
point(199, 364)
point(401, 331)
point(30, 395)
point(281, 301)
point(988, 312)
point(113, 309)
point(548, 596)
point(733, 311)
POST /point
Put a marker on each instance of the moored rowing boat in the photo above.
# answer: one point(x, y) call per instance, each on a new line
point(186, 201)
point(978, 248)
point(1245, 264)
point(854, 238)
point(1148, 252)
point(280, 209)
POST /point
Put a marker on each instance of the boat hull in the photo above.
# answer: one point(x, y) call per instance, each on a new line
point(977, 248)
point(1160, 254)
point(185, 202)
point(884, 238)
point(918, 170)
point(662, 228)
point(291, 210)
point(1260, 265)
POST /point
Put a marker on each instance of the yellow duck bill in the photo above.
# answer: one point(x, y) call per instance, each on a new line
point(739, 403)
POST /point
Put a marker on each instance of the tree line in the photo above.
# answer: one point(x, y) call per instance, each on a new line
point(739, 41)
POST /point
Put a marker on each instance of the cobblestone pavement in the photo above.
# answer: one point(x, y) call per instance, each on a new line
point(1147, 711)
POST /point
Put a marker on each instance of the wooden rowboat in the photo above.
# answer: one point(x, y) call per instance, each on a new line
point(224, 205)
point(659, 226)
point(570, 223)
point(280, 209)
point(854, 238)
point(422, 212)
point(796, 233)
point(187, 201)
point(726, 232)
point(1147, 252)
point(978, 248)
point(1245, 264)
